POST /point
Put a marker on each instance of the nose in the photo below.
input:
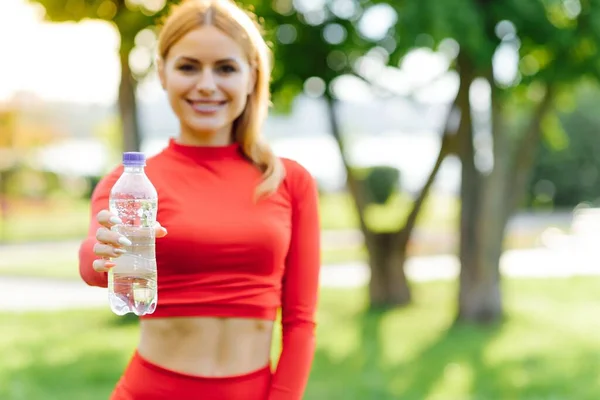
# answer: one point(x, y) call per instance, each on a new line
point(206, 83)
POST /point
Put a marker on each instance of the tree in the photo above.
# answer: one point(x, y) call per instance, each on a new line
point(8, 162)
point(320, 43)
point(129, 17)
point(568, 161)
point(554, 43)
point(20, 136)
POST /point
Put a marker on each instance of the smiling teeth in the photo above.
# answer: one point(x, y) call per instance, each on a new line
point(206, 107)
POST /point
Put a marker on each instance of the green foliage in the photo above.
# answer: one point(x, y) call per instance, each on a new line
point(310, 42)
point(566, 175)
point(461, 20)
point(553, 133)
point(556, 40)
point(380, 182)
point(26, 182)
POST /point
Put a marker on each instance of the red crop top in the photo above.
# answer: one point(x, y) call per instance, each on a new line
point(226, 255)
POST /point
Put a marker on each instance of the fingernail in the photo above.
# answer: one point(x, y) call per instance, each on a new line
point(164, 229)
point(124, 241)
point(120, 251)
point(109, 264)
point(115, 220)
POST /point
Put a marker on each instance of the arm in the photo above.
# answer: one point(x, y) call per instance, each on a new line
point(299, 293)
point(99, 202)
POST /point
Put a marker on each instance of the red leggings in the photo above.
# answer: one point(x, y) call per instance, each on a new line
point(143, 380)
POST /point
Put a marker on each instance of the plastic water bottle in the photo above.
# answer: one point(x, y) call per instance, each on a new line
point(132, 281)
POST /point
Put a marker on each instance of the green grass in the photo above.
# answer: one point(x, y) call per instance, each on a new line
point(45, 220)
point(42, 264)
point(48, 260)
point(546, 348)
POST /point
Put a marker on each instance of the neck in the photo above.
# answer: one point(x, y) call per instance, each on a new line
point(222, 137)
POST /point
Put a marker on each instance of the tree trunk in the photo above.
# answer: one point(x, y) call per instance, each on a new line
point(480, 298)
point(479, 295)
point(488, 203)
point(388, 286)
point(128, 105)
point(502, 192)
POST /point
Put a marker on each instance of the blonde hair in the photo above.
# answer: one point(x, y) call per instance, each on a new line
point(244, 29)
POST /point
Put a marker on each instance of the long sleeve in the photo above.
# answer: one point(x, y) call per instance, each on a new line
point(99, 202)
point(300, 287)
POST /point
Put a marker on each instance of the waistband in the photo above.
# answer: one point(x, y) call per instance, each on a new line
point(144, 380)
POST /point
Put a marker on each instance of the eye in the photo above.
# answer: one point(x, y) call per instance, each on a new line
point(227, 69)
point(186, 68)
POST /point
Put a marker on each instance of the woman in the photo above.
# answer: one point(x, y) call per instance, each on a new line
point(243, 230)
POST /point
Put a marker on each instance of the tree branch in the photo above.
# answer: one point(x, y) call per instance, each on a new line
point(410, 95)
point(352, 183)
point(446, 148)
point(525, 152)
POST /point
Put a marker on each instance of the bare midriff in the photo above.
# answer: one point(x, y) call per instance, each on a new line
point(207, 346)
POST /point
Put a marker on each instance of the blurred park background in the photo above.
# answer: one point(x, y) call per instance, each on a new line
point(457, 149)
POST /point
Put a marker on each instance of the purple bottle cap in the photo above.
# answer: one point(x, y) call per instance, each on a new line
point(134, 159)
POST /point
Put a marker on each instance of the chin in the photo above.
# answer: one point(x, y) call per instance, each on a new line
point(206, 129)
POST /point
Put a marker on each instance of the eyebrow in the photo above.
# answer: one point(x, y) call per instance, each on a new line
point(222, 61)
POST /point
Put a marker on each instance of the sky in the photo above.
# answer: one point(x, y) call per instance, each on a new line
point(78, 61)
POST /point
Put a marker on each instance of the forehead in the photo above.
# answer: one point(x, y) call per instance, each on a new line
point(207, 43)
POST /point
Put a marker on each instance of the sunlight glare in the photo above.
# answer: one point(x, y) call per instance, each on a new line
point(58, 62)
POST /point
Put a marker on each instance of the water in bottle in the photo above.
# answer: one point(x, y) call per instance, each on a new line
point(132, 281)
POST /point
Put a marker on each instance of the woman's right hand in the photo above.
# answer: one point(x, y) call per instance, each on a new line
point(110, 244)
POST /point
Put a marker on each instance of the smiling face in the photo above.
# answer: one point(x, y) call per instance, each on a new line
point(207, 78)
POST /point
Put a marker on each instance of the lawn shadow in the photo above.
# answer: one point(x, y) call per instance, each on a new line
point(70, 355)
point(455, 359)
point(91, 376)
point(360, 375)
point(547, 361)
point(367, 374)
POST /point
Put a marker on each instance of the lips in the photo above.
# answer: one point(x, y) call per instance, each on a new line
point(206, 106)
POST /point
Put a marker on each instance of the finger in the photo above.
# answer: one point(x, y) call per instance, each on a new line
point(108, 219)
point(105, 236)
point(105, 250)
point(159, 231)
point(102, 265)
